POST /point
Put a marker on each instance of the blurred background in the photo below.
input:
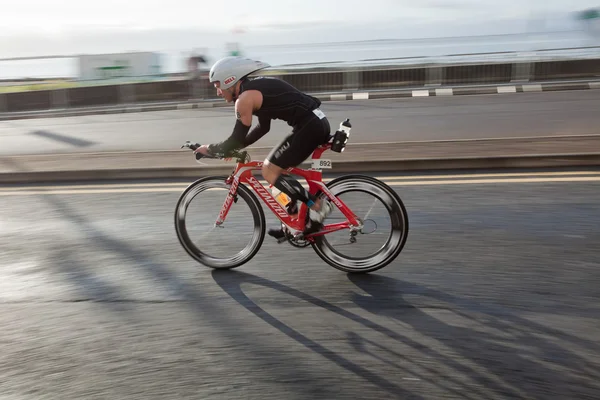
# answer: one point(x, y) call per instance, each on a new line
point(486, 126)
point(61, 43)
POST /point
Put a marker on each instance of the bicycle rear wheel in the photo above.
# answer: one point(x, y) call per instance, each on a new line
point(197, 210)
point(352, 253)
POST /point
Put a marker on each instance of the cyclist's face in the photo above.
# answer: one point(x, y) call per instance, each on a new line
point(227, 94)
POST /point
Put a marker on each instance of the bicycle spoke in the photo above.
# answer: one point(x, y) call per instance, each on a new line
point(370, 209)
point(225, 246)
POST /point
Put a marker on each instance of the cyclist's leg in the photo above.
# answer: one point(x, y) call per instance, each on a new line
point(291, 152)
point(294, 149)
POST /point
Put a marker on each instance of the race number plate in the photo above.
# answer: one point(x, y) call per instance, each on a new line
point(321, 164)
point(319, 113)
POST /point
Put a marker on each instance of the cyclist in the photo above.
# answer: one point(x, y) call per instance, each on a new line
point(269, 99)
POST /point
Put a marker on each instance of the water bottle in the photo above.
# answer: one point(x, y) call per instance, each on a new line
point(341, 136)
point(281, 197)
point(346, 126)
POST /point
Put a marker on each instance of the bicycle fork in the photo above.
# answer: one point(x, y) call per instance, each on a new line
point(229, 200)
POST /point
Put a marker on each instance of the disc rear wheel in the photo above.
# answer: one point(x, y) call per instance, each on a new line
point(384, 231)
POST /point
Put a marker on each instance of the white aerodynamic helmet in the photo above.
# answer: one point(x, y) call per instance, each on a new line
point(229, 70)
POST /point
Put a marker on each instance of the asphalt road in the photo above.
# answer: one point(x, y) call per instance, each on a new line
point(495, 296)
point(485, 116)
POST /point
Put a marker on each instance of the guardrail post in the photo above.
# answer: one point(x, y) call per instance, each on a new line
point(352, 79)
point(522, 72)
point(126, 93)
point(434, 76)
point(59, 98)
point(196, 89)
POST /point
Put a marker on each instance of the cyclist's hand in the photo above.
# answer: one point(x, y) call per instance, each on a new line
point(203, 150)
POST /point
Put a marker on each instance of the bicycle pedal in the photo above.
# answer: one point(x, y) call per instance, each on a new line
point(299, 236)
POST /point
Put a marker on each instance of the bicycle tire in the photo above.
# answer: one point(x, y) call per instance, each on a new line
point(400, 225)
point(243, 193)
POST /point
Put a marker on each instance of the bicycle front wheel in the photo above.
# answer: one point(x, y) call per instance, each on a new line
point(233, 243)
point(384, 232)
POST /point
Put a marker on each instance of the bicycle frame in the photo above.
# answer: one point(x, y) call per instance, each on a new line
point(243, 174)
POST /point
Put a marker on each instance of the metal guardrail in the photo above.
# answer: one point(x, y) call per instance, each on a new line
point(549, 54)
point(313, 80)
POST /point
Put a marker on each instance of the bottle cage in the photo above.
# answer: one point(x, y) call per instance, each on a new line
point(339, 141)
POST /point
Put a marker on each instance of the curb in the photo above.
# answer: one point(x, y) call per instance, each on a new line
point(345, 96)
point(422, 164)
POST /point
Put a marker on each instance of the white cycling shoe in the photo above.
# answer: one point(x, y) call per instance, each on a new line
point(317, 217)
point(314, 224)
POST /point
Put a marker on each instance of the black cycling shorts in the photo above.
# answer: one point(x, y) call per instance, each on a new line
point(300, 144)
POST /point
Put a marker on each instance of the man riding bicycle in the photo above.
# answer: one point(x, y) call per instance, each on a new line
point(269, 99)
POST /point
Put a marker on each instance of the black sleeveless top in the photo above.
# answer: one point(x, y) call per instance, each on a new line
point(281, 100)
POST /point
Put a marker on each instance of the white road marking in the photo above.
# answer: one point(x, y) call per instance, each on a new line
point(464, 140)
point(444, 92)
point(493, 175)
point(420, 93)
point(532, 88)
point(507, 89)
point(495, 181)
point(383, 178)
point(360, 96)
point(394, 181)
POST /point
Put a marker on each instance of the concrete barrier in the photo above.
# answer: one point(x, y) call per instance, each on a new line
point(162, 91)
point(313, 80)
point(580, 69)
point(28, 101)
point(96, 96)
point(316, 82)
point(477, 74)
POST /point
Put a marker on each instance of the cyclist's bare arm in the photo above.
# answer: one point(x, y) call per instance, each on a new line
point(242, 136)
point(246, 104)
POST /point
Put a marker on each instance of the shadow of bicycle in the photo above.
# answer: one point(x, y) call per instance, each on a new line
point(502, 353)
point(231, 283)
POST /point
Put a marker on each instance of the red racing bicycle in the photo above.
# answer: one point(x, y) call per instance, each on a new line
point(348, 226)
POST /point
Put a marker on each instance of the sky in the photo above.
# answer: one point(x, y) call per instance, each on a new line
point(43, 27)
point(60, 15)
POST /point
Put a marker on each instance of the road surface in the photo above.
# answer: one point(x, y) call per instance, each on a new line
point(495, 296)
point(387, 120)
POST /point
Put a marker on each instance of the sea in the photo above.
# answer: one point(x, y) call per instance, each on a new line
point(563, 44)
